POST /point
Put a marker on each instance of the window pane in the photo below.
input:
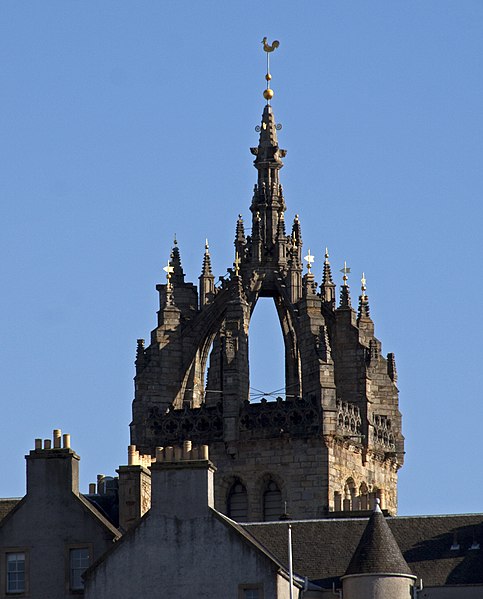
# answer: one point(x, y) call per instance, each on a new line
point(238, 503)
point(79, 562)
point(272, 502)
point(251, 594)
point(15, 572)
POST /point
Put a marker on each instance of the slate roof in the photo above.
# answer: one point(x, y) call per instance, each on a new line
point(322, 549)
point(107, 505)
point(6, 505)
point(377, 551)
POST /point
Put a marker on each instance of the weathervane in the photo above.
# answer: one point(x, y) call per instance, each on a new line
point(236, 264)
point(346, 270)
point(309, 259)
point(168, 269)
point(268, 93)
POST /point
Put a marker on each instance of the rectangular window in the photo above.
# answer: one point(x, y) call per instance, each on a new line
point(79, 560)
point(15, 572)
point(250, 591)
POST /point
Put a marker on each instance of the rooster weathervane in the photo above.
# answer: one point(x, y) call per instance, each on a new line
point(268, 48)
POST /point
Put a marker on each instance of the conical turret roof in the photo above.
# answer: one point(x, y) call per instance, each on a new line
point(378, 551)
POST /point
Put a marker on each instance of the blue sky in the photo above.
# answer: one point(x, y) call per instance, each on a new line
point(123, 123)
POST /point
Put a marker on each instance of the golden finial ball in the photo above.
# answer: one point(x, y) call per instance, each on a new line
point(268, 76)
point(268, 94)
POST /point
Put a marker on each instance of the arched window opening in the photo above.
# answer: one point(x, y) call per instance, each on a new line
point(272, 502)
point(364, 496)
point(266, 352)
point(349, 496)
point(237, 507)
point(213, 373)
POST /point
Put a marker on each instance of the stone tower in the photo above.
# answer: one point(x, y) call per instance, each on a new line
point(333, 442)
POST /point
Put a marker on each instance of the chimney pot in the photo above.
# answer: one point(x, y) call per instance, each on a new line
point(38, 443)
point(186, 450)
point(57, 438)
point(47, 444)
point(131, 453)
point(66, 441)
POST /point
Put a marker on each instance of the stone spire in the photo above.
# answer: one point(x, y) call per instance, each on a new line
point(345, 297)
point(240, 238)
point(175, 261)
point(267, 197)
point(281, 240)
point(364, 321)
point(296, 242)
point(206, 269)
point(363, 312)
point(206, 279)
point(310, 286)
point(328, 286)
point(140, 355)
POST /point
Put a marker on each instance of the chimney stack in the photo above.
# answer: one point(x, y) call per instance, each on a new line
point(182, 482)
point(52, 470)
point(134, 487)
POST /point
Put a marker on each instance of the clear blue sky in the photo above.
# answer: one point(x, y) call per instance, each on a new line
point(123, 123)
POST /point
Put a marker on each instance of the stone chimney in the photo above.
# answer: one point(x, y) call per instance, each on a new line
point(134, 488)
point(182, 482)
point(52, 468)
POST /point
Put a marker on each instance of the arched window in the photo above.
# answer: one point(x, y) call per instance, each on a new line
point(349, 495)
point(238, 502)
point(266, 352)
point(364, 495)
point(272, 502)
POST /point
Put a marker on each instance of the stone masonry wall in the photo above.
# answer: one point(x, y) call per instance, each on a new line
point(298, 466)
point(350, 462)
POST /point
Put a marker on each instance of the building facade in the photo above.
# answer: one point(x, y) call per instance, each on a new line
point(54, 533)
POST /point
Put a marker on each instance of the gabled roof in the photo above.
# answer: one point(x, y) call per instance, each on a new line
point(7, 505)
point(377, 551)
point(322, 549)
point(8, 508)
point(89, 507)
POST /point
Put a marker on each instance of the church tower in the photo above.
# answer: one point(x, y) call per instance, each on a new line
point(333, 441)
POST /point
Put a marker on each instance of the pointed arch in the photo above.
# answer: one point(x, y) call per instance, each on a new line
point(272, 501)
point(237, 501)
